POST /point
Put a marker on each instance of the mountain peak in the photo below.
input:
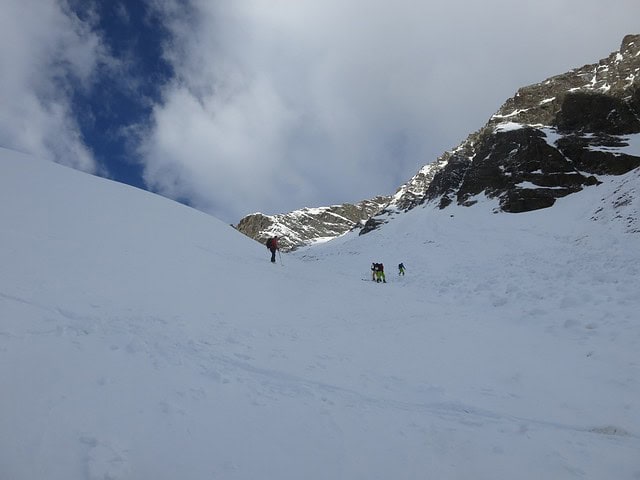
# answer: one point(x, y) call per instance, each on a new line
point(549, 140)
point(630, 44)
point(552, 138)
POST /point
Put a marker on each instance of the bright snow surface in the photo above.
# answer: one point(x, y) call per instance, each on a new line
point(141, 339)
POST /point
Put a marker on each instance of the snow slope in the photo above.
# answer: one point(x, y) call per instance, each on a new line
point(141, 339)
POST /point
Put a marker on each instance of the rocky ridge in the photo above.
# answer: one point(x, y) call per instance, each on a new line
point(310, 225)
point(549, 140)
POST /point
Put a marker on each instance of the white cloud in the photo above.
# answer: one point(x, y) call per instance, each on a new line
point(217, 142)
point(42, 49)
point(279, 105)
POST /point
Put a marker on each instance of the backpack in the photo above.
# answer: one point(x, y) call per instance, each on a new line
point(269, 243)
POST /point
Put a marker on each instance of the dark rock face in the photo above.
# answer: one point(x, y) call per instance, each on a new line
point(595, 112)
point(447, 181)
point(371, 224)
point(599, 161)
point(550, 139)
point(522, 170)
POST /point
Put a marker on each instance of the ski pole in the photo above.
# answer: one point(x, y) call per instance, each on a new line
point(280, 257)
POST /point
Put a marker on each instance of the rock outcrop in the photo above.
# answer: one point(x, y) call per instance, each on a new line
point(551, 139)
point(310, 225)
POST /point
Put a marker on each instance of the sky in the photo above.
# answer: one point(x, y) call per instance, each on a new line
point(129, 350)
point(266, 105)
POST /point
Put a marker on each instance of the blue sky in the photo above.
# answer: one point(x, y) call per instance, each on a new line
point(135, 34)
point(266, 105)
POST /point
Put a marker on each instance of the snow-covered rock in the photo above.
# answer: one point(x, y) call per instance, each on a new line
point(549, 140)
point(310, 225)
point(552, 138)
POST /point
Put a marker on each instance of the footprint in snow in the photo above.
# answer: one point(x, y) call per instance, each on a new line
point(105, 461)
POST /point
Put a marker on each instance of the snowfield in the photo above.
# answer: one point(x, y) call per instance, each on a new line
point(141, 339)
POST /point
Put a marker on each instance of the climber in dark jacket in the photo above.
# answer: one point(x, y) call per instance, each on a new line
point(272, 245)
